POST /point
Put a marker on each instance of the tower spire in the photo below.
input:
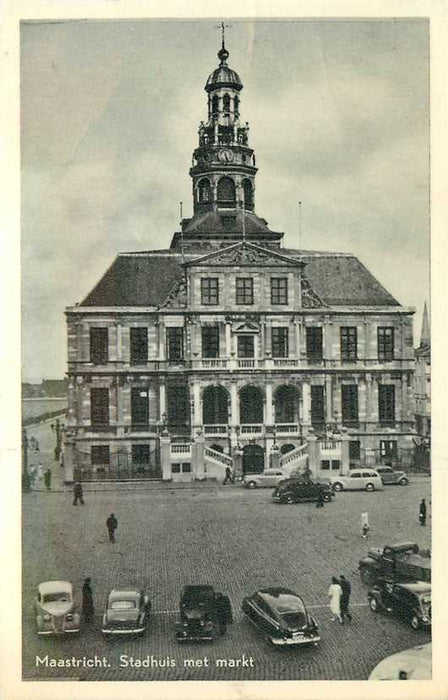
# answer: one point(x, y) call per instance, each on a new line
point(425, 338)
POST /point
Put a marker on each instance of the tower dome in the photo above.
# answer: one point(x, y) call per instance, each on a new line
point(223, 76)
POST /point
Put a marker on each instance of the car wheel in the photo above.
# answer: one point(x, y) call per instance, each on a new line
point(415, 622)
point(370, 487)
point(373, 604)
point(251, 484)
point(289, 498)
point(403, 481)
point(337, 486)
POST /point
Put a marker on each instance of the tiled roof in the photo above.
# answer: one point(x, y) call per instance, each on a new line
point(146, 278)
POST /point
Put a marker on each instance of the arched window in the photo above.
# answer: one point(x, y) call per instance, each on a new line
point(215, 104)
point(236, 103)
point(286, 404)
point(204, 191)
point(226, 103)
point(248, 194)
point(215, 406)
point(226, 190)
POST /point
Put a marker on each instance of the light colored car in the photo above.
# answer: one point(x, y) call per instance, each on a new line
point(357, 480)
point(55, 608)
point(390, 476)
point(127, 612)
point(268, 478)
point(410, 665)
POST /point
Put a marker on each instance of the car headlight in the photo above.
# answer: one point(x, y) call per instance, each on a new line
point(69, 617)
point(425, 618)
point(46, 617)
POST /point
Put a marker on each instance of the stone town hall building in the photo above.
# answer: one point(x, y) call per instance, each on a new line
point(228, 349)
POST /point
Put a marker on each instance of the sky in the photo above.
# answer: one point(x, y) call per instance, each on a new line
point(339, 120)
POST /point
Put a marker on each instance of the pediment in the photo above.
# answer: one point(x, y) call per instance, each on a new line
point(246, 328)
point(245, 254)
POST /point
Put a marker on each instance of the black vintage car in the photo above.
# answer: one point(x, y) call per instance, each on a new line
point(281, 616)
point(204, 614)
point(295, 490)
point(411, 602)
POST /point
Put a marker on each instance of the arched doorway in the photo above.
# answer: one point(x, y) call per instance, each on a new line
point(215, 406)
point(284, 449)
point(253, 459)
point(286, 405)
point(226, 191)
point(251, 405)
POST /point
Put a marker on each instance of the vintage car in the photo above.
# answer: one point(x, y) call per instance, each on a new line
point(268, 478)
point(296, 489)
point(403, 561)
point(413, 664)
point(357, 480)
point(204, 614)
point(390, 476)
point(127, 612)
point(281, 616)
point(55, 608)
point(411, 602)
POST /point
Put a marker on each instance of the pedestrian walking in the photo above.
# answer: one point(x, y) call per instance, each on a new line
point(40, 473)
point(345, 597)
point(88, 609)
point(32, 475)
point(320, 500)
point(365, 527)
point(422, 512)
point(78, 493)
point(47, 479)
point(111, 524)
point(335, 593)
point(228, 477)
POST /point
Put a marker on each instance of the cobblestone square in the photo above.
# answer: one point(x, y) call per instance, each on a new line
point(234, 539)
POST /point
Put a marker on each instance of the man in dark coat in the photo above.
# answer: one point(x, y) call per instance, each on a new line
point(320, 499)
point(422, 512)
point(228, 476)
point(77, 493)
point(111, 524)
point(47, 478)
point(345, 597)
point(88, 609)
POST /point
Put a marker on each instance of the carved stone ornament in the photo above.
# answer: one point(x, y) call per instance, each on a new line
point(310, 299)
point(245, 254)
point(177, 296)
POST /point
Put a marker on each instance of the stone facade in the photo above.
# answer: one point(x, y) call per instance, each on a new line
point(228, 350)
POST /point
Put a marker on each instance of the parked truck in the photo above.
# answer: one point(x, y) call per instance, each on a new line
point(396, 562)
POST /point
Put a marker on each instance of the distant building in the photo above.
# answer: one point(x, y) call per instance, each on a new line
point(422, 380)
point(229, 350)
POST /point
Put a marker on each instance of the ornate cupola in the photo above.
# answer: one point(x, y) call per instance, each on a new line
point(223, 172)
point(223, 169)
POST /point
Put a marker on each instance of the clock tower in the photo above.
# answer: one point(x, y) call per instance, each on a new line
point(223, 169)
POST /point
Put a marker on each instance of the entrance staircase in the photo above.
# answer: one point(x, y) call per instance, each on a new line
point(296, 461)
point(216, 463)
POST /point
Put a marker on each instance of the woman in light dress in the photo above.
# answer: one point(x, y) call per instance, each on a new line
point(334, 593)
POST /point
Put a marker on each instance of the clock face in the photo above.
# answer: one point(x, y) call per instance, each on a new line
point(225, 155)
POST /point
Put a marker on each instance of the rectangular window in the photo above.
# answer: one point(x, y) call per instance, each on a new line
point(209, 291)
point(385, 343)
point(349, 343)
point(279, 290)
point(386, 403)
point(244, 290)
point(354, 450)
point(99, 346)
point(325, 464)
point(178, 400)
point(335, 465)
point(99, 406)
point(175, 344)
point(280, 342)
point(210, 341)
point(314, 344)
point(349, 397)
point(246, 346)
point(100, 455)
point(139, 407)
point(317, 406)
point(139, 346)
